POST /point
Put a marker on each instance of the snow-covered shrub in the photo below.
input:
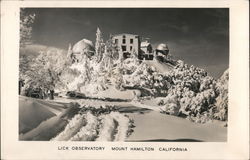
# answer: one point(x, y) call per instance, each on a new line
point(130, 65)
point(197, 95)
point(103, 109)
point(143, 76)
point(84, 76)
point(201, 118)
point(68, 79)
point(170, 105)
point(221, 105)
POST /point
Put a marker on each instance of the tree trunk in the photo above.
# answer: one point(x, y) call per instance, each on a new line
point(19, 88)
point(20, 85)
point(51, 96)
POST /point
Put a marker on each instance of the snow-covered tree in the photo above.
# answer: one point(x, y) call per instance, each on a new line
point(24, 66)
point(99, 45)
point(102, 71)
point(86, 72)
point(82, 71)
point(45, 72)
point(26, 21)
point(110, 54)
point(112, 48)
point(221, 105)
point(117, 77)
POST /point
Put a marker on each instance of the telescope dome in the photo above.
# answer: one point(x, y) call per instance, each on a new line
point(162, 47)
point(83, 46)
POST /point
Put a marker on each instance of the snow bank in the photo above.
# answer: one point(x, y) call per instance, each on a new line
point(115, 127)
point(49, 128)
point(32, 113)
point(108, 127)
point(96, 124)
point(89, 131)
point(123, 126)
point(72, 128)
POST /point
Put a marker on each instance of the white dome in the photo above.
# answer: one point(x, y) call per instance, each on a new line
point(162, 47)
point(83, 45)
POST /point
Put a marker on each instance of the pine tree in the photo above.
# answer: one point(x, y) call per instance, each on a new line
point(69, 54)
point(99, 44)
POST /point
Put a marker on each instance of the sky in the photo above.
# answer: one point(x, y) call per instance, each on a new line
point(199, 36)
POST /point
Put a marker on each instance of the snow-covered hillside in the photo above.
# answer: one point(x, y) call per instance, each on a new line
point(188, 90)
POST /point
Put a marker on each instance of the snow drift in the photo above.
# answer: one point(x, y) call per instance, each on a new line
point(33, 111)
point(96, 124)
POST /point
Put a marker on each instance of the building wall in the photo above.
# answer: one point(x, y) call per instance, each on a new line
point(127, 43)
point(147, 49)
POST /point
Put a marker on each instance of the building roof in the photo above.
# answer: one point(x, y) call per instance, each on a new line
point(124, 34)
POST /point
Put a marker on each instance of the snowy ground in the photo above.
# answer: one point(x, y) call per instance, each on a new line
point(52, 120)
point(34, 111)
point(154, 126)
point(160, 66)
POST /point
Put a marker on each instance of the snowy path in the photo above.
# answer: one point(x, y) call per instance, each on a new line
point(138, 104)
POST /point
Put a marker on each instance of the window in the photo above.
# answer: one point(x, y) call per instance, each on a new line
point(131, 48)
point(124, 48)
point(116, 41)
point(131, 41)
point(123, 39)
